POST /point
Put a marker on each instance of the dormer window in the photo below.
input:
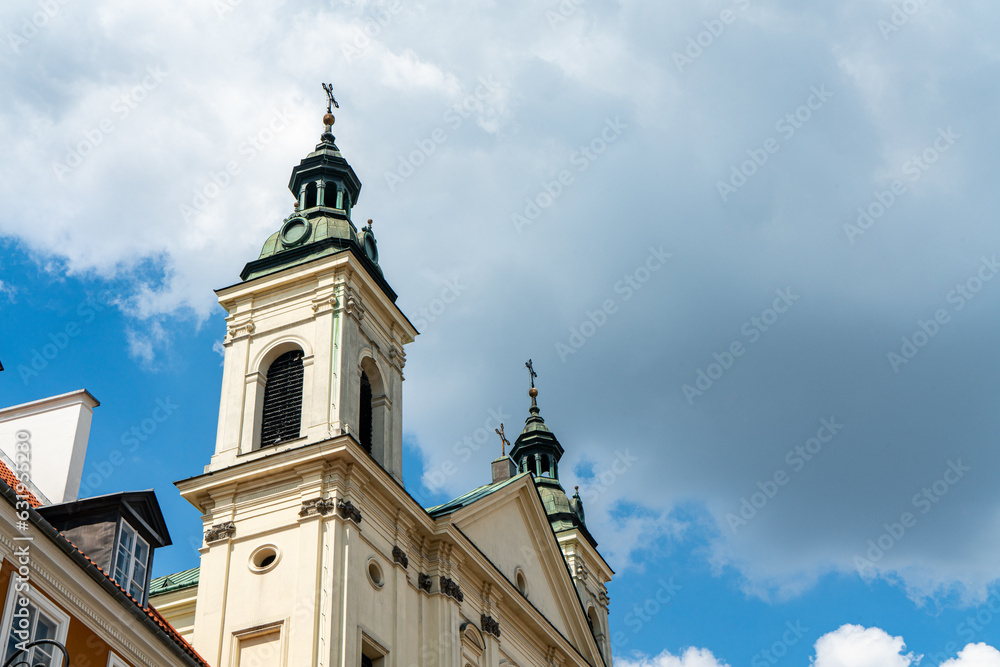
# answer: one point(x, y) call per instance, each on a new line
point(131, 561)
point(119, 532)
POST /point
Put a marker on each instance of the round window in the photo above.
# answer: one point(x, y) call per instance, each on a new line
point(264, 558)
point(294, 232)
point(522, 583)
point(375, 573)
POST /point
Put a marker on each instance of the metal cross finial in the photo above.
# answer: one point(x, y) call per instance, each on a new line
point(331, 102)
point(503, 439)
point(531, 369)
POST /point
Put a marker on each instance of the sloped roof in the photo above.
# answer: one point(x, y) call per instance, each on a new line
point(471, 497)
point(174, 582)
point(10, 479)
point(163, 628)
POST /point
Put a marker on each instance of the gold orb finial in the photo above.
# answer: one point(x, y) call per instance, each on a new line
point(533, 392)
point(328, 119)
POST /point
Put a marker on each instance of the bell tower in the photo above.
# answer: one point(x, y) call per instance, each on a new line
point(537, 451)
point(314, 347)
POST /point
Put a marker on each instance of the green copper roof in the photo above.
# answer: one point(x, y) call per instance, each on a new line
point(320, 227)
point(174, 582)
point(470, 497)
point(326, 188)
point(557, 507)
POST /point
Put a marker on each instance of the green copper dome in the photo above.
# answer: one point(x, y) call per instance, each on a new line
point(326, 189)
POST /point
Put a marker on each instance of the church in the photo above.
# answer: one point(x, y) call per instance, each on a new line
point(314, 552)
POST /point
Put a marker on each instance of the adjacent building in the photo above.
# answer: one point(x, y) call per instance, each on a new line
point(75, 574)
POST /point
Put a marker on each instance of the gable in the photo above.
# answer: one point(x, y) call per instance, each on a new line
point(511, 529)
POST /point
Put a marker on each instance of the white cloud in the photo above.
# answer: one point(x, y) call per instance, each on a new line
point(975, 655)
point(848, 646)
point(8, 292)
point(856, 646)
point(692, 657)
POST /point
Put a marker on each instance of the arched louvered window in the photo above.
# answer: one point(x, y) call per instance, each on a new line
point(365, 414)
point(330, 195)
point(310, 195)
point(282, 414)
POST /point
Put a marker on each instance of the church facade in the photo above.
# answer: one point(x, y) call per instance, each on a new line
point(314, 552)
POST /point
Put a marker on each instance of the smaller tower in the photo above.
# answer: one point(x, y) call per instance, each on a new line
point(537, 450)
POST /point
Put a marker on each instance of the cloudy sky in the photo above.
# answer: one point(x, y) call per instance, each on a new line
point(749, 245)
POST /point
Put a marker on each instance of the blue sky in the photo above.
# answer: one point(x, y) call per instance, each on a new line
point(750, 246)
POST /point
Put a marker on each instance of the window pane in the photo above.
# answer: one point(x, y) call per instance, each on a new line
point(45, 628)
point(139, 573)
point(135, 590)
point(126, 537)
point(141, 550)
point(121, 565)
point(42, 626)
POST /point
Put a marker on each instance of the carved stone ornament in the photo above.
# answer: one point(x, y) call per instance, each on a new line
point(353, 306)
point(490, 626)
point(348, 511)
point(397, 357)
point(424, 582)
point(246, 328)
point(400, 557)
point(220, 531)
point(323, 302)
point(321, 506)
point(451, 589)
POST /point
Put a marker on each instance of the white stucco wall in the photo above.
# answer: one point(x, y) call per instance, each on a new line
point(58, 429)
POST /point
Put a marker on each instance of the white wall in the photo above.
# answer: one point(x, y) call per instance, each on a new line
point(58, 429)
